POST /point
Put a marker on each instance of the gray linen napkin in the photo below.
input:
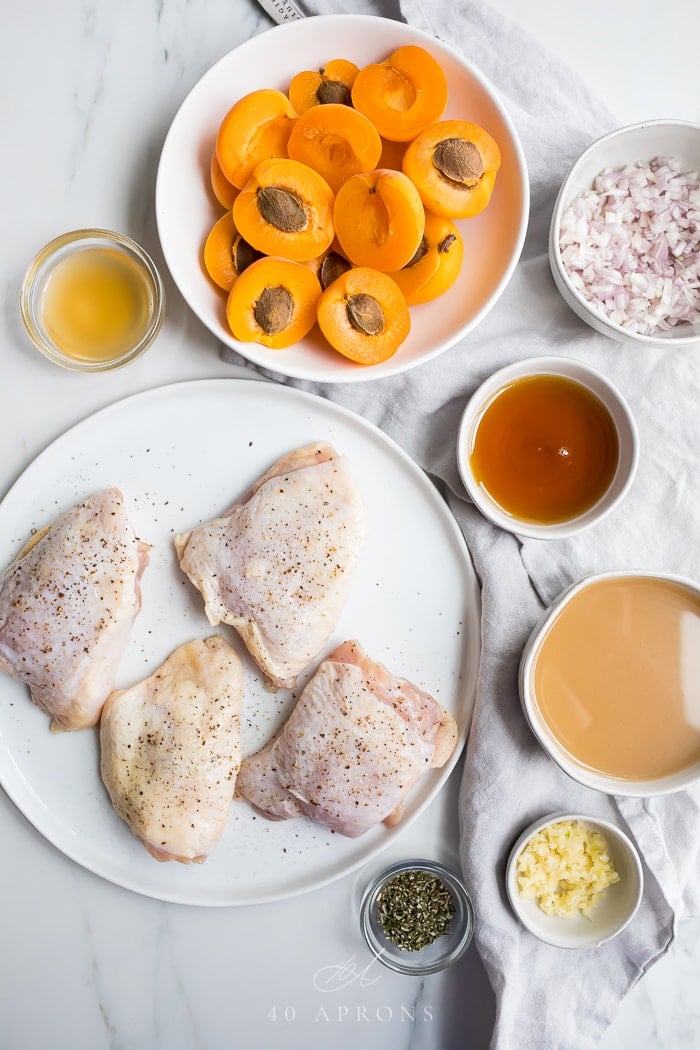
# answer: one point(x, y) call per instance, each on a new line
point(547, 997)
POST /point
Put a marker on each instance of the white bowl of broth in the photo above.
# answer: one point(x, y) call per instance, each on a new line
point(610, 682)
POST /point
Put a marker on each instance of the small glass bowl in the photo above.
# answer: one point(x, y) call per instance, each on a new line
point(443, 951)
point(41, 269)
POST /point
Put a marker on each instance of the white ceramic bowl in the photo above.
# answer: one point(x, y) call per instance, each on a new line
point(597, 384)
point(591, 778)
point(186, 210)
point(637, 142)
point(612, 913)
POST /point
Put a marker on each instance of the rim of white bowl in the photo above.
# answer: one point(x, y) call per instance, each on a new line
point(611, 831)
point(599, 385)
point(609, 785)
point(559, 272)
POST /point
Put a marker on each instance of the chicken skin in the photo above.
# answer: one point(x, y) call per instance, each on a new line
point(279, 564)
point(67, 606)
point(171, 750)
point(357, 741)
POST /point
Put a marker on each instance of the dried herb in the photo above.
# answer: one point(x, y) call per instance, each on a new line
point(414, 909)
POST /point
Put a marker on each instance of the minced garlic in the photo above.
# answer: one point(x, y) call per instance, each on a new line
point(565, 868)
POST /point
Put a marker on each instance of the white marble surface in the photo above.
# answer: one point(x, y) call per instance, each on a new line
point(89, 89)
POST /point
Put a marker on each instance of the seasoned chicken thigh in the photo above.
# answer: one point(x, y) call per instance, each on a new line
point(67, 605)
point(355, 744)
point(278, 565)
point(171, 750)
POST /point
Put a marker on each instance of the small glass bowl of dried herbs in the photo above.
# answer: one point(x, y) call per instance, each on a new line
point(417, 917)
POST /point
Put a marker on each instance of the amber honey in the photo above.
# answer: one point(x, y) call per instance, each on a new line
point(96, 304)
point(617, 677)
point(545, 449)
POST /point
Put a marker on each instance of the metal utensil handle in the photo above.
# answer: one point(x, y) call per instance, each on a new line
point(282, 10)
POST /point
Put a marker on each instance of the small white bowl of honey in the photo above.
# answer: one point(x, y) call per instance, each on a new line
point(92, 300)
point(547, 447)
point(610, 682)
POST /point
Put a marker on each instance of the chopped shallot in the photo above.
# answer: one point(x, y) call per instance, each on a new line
point(631, 245)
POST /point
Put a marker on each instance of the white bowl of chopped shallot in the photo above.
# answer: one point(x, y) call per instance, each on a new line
point(624, 241)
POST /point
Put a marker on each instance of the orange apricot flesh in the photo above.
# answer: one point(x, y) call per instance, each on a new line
point(224, 191)
point(379, 219)
point(435, 266)
point(286, 209)
point(331, 83)
point(336, 141)
point(392, 154)
point(218, 252)
point(273, 302)
point(256, 128)
point(453, 164)
point(403, 95)
point(364, 316)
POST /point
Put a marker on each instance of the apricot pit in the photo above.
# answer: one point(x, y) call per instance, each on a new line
point(273, 302)
point(329, 85)
point(286, 209)
point(453, 164)
point(364, 316)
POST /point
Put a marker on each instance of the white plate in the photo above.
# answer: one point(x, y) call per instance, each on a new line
point(186, 211)
point(181, 454)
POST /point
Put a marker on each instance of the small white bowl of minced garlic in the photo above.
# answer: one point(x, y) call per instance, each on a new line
point(574, 881)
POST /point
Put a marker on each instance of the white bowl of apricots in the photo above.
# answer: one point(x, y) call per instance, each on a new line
point(341, 198)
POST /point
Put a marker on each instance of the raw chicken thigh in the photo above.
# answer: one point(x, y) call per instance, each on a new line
point(67, 605)
point(278, 565)
point(171, 750)
point(355, 744)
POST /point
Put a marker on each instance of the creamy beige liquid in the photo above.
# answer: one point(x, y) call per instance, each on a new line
point(617, 677)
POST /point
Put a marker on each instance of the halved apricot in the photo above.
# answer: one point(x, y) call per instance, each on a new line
point(453, 164)
point(364, 316)
point(286, 208)
point(224, 191)
point(273, 302)
point(256, 128)
point(435, 266)
point(336, 141)
point(379, 219)
point(331, 83)
point(403, 95)
point(226, 253)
